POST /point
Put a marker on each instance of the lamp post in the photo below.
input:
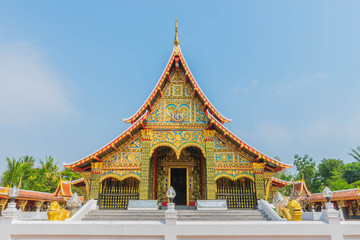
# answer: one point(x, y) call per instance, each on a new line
point(170, 213)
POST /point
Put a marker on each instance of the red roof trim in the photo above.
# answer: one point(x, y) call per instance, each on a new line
point(243, 144)
point(163, 78)
point(108, 146)
point(282, 182)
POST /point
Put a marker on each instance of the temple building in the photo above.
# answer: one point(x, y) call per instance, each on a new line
point(178, 138)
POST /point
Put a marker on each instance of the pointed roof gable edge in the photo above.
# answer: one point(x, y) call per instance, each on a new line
point(163, 78)
point(244, 144)
point(201, 93)
point(109, 145)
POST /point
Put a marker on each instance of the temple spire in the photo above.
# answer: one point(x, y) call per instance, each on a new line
point(176, 40)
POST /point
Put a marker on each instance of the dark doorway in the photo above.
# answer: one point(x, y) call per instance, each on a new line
point(178, 182)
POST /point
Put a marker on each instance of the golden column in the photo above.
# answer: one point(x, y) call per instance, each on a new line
point(95, 180)
point(210, 165)
point(259, 180)
point(145, 164)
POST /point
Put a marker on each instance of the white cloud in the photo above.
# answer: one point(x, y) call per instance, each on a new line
point(295, 84)
point(30, 89)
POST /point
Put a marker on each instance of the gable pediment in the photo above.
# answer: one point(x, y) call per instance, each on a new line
point(177, 107)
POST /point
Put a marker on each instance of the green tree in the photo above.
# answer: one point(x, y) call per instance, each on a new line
point(355, 153)
point(50, 167)
point(351, 172)
point(327, 168)
point(70, 175)
point(306, 167)
point(13, 172)
point(337, 182)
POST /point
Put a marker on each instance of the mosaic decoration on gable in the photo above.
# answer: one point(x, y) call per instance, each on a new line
point(200, 116)
point(177, 87)
point(154, 117)
point(243, 159)
point(177, 111)
point(132, 157)
point(224, 157)
point(220, 144)
point(134, 145)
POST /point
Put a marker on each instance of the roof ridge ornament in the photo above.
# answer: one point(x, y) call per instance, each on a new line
point(176, 40)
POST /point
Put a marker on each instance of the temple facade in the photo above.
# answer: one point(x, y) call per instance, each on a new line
point(178, 138)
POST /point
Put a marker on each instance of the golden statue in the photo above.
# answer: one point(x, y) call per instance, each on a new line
point(289, 209)
point(55, 213)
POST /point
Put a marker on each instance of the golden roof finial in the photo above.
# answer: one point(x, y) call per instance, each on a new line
point(176, 40)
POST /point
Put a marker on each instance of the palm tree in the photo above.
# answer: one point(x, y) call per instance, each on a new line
point(356, 153)
point(49, 167)
point(13, 173)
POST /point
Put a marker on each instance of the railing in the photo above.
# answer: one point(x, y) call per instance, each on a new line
point(237, 197)
point(117, 197)
point(266, 208)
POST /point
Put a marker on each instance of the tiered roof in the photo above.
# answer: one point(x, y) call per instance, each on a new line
point(138, 120)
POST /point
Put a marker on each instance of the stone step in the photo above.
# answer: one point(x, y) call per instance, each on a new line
point(183, 215)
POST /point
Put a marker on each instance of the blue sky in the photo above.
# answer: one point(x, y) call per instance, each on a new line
point(286, 72)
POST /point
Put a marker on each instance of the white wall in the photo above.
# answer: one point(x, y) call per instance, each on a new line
point(31, 230)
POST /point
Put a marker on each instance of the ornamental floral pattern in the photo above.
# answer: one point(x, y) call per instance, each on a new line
point(220, 144)
point(132, 157)
point(155, 115)
point(199, 115)
point(224, 157)
point(177, 110)
point(178, 138)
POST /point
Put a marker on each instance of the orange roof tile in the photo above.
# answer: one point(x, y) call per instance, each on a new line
point(63, 189)
point(337, 195)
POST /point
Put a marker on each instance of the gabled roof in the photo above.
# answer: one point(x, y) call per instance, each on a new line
point(241, 144)
point(63, 189)
point(159, 87)
point(216, 119)
point(299, 190)
point(347, 194)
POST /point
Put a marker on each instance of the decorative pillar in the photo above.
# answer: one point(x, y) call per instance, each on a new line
point(267, 183)
point(145, 164)
point(95, 180)
point(210, 165)
point(259, 180)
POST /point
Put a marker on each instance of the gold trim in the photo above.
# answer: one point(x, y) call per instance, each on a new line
point(112, 175)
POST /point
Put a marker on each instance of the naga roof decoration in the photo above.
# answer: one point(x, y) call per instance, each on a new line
point(110, 145)
point(242, 144)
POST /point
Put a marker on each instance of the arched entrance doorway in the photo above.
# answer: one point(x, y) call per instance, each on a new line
point(239, 193)
point(115, 194)
point(183, 171)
